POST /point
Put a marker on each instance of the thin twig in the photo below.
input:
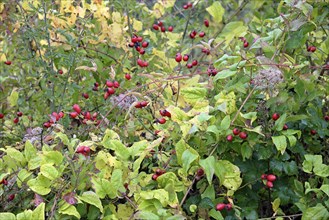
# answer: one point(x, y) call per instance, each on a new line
point(187, 192)
point(244, 102)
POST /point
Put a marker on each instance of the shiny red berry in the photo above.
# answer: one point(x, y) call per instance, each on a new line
point(243, 135)
point(275, 116)
point(202, 34)
point(128, 76)
point(220, 206)
point(170, 28)
point(271, 177)
point(76, 108)
point(236, 131)
point(155, 27)
point(8, 62)
point(145, 44)
point(229, 138)
point(161, 120)
point(178, 57)
point(269, 184)
point(206, 23)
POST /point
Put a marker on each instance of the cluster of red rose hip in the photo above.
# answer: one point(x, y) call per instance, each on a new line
point(54, 117)
point(84, 150)
point(311, 49)
point(160, 26)
point(243, 135)
point(222, 206)
point(87, 116)
point(158, 173)
point(269, 179)
point(138, 44)
point(111, 86)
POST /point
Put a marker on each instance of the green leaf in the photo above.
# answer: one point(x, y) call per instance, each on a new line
point(188, 157)
point(49, 171)
point(180, 147)
point(217, 11)
point(319, 212)
point(120, 149)
point(296, 118)
point(52, 157)
point(7, 216)
point(321, 170)
point(224, 74)
point(91, 198)
point(225, 123)
point(208, 165)
point(101, 186)
point(146, 215)
point(159, 194)
point(22, 175)
point(228, 174)
point(325, 189)
point(192, 94)
point(280, 143)
point(12, 99)
point(39, 212)
point(68, 209)
point(276, 204)
point(15, 155)
point(292, 140)
point(170, 178)
point(39, 187)
point(116, 183)
point(209, 193)
point(26, 215)
point(216, 215)
point(311, 161)
point(29, 150)
point(232, 30)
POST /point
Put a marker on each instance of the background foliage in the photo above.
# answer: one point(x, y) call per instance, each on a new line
point(119, 160)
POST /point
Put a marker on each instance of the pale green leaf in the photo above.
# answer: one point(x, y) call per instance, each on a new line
point(208, 165)
point(13, 97)
point(188, 158)
point(7, 216)
point(319, 212)
point(91, 198)
point(217, 11)
point(280, 143)
point(49, 171)
point(39, 212)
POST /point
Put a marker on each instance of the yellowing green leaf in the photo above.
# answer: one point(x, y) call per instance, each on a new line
point(232, 30)
point(7, 216)
point(12, 99)
point(91, 198)
point(39, 212)
point(192, 95)
point(158, 10)
point(137, 25)
point(217, 11)
point(49, 171)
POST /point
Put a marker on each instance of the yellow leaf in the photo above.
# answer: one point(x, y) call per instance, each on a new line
point(137, 25)
point(158, 10)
